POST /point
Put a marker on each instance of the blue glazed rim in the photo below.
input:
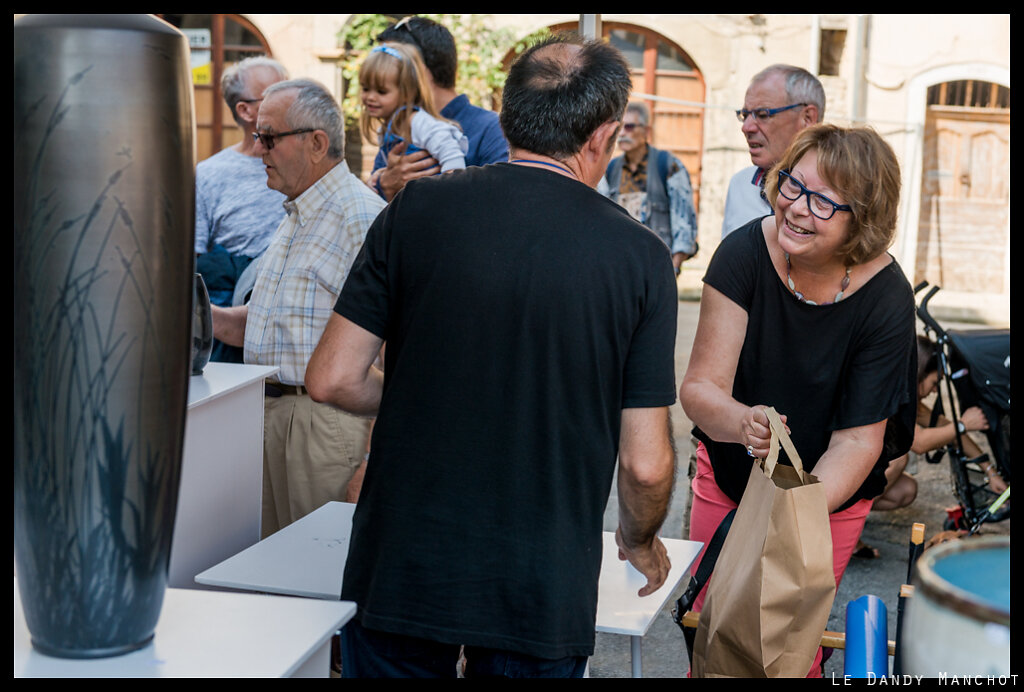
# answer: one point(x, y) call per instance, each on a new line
point(952, 596)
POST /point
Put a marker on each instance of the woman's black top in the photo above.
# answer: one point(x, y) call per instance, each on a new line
point(826, 367)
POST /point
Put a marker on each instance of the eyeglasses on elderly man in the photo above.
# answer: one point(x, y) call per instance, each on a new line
point(764, 114)
point(267, 139)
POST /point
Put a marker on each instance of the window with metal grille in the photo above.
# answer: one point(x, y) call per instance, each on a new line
point(969, 93)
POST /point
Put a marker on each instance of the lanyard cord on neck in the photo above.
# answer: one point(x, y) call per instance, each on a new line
point(544, 163)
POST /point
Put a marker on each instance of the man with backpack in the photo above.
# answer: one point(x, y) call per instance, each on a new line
point(653, 186)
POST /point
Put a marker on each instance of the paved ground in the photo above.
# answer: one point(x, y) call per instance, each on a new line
point(664, 652)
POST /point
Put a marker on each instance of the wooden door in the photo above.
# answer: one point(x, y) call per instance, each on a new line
point(963, 236)
point(230, 39)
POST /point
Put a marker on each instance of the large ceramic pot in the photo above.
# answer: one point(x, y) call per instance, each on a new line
point(104, 162)
point(958, 620)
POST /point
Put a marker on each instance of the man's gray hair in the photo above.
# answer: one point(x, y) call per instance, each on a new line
point(801, 85)
point(314, 108)
point(643, 113)
point(233, 82)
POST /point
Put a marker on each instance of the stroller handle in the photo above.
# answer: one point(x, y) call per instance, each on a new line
point(922, 309)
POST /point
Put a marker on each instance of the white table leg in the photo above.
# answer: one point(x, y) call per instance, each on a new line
point(637, 656)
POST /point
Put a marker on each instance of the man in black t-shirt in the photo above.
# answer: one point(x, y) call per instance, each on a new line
point(530, 329)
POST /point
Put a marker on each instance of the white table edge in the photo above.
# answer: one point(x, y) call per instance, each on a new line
point(316, 647)
point(253, 372)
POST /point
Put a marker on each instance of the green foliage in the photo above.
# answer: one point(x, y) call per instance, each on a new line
point(481, 49)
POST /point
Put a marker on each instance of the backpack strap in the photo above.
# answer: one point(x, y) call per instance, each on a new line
point(663, 160)
point(613, 176)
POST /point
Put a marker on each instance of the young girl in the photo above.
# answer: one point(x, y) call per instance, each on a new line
point(398, 106)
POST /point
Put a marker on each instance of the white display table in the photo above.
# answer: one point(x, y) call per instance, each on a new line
point(620, 610)
point(307, 558)
point(210, 634)
point(219, 502)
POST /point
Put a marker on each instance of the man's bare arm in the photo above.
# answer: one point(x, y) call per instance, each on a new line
point(645, 479)
point(341, 371)
point(229, 324)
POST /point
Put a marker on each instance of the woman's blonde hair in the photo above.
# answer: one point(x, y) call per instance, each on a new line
point(862, 168)
point(402, 63)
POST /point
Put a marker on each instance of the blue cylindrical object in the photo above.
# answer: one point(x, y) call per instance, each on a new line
point(867, 643)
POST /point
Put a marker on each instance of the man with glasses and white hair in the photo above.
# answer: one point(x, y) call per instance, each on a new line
point(653, 186)
point(780, 102)
point(236, 213)
point(234, 206)
point(311, 450)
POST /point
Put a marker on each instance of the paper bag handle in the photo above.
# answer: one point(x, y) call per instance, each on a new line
point(779, 435)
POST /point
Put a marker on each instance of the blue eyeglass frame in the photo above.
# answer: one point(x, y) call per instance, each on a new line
point(762, 114)
point(784, 175)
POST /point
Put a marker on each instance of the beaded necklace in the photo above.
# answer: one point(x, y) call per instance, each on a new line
point(800, 296)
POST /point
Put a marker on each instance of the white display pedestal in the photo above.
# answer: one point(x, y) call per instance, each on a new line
point(209, 634)
point(219, 502)
point(307, 558)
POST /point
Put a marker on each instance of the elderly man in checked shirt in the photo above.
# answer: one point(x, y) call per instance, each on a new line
point(311, 451)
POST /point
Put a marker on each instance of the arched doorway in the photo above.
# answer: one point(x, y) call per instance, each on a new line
point(662, 68)
point(218, 41)
point(963, 224)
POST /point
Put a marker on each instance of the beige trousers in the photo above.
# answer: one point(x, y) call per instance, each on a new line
point(310, 452)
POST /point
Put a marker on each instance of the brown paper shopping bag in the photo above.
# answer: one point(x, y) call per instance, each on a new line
point(772, 588)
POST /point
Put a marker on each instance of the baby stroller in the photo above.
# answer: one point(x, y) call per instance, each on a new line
point(975, 364)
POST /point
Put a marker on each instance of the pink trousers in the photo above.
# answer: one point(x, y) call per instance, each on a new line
point(710, 505)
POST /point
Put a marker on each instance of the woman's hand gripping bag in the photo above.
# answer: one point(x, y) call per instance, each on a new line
point(771, 592)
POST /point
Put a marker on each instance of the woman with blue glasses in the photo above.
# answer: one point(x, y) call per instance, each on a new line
point(806, 311)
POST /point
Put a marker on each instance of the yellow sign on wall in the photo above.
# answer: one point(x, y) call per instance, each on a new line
point(202, 74)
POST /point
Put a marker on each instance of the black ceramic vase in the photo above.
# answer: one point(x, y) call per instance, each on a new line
point(202, 326)
point(104, 162)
